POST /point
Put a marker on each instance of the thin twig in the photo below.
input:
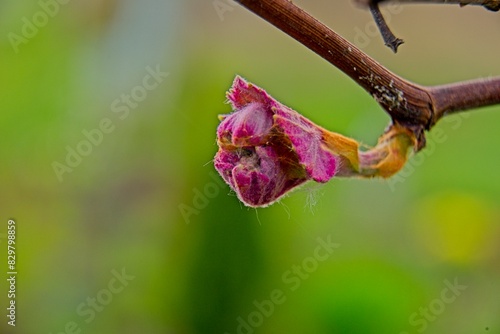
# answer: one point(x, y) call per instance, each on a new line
point(389, 39)
point(493, 5)
point(413, 106)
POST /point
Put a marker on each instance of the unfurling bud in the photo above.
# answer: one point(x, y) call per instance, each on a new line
point(267, 149)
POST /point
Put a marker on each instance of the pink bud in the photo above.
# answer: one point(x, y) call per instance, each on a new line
point(266, 149)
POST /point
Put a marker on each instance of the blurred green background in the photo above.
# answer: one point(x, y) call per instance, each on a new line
point(143, 202)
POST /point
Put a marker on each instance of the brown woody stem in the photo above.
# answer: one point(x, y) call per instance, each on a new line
point(413, 106)
point(460, 96)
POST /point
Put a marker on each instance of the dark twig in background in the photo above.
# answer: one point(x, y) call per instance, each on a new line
point(392, 41)
point(389, 39)
point(493, 5)
point(415, 107)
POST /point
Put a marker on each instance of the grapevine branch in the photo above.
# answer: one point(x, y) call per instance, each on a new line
point(412, 106)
